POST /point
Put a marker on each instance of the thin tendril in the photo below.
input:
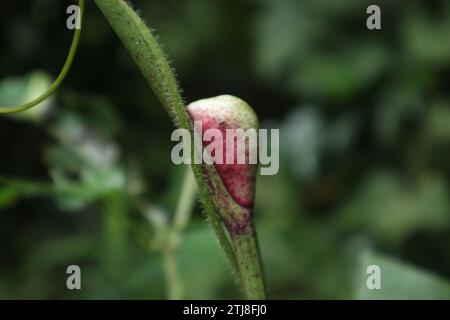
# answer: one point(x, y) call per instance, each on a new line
point(67, 64)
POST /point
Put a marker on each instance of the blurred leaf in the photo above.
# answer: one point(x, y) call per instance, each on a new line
point(439, 122)
point(426, 38)
point(8, 195)
point(13, 189)
point(297, 47)
point(399, 281)
point(392, 210)
point(18, 90)
point(397, 105)
point(199, 256)
point(59, 252)
point(194, 25)
point(341, 74)
point(303, 140)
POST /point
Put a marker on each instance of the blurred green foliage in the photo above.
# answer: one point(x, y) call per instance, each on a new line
point(86, 177)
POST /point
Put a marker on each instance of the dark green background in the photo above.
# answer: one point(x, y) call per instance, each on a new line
point(364, 169)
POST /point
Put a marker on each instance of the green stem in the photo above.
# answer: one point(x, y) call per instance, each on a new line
point(173, 279)
point(242, 252)
point(249, 262)
point(185, 203)
point(114, 232)
point(148, 56)
point(64, 71)
point(181, 218)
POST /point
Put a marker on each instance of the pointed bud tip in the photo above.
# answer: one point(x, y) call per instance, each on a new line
point(225, 108)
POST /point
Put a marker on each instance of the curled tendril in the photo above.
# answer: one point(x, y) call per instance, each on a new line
point(67, 64)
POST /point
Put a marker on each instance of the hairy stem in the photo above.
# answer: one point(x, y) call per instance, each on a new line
point(249, 262)
point(149, 57)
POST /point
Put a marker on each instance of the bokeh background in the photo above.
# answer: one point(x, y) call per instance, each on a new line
point(86, 177)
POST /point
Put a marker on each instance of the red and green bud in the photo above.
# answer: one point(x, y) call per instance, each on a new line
point(224, 113)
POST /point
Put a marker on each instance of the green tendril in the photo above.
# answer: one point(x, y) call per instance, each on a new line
point(67, 64)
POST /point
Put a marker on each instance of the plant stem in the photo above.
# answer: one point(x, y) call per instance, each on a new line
point(241, 250)
point(185, 203)
point(114, 231)
point(249, 262)
point(173, 279)
point(148, 56)
point(182, 215)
